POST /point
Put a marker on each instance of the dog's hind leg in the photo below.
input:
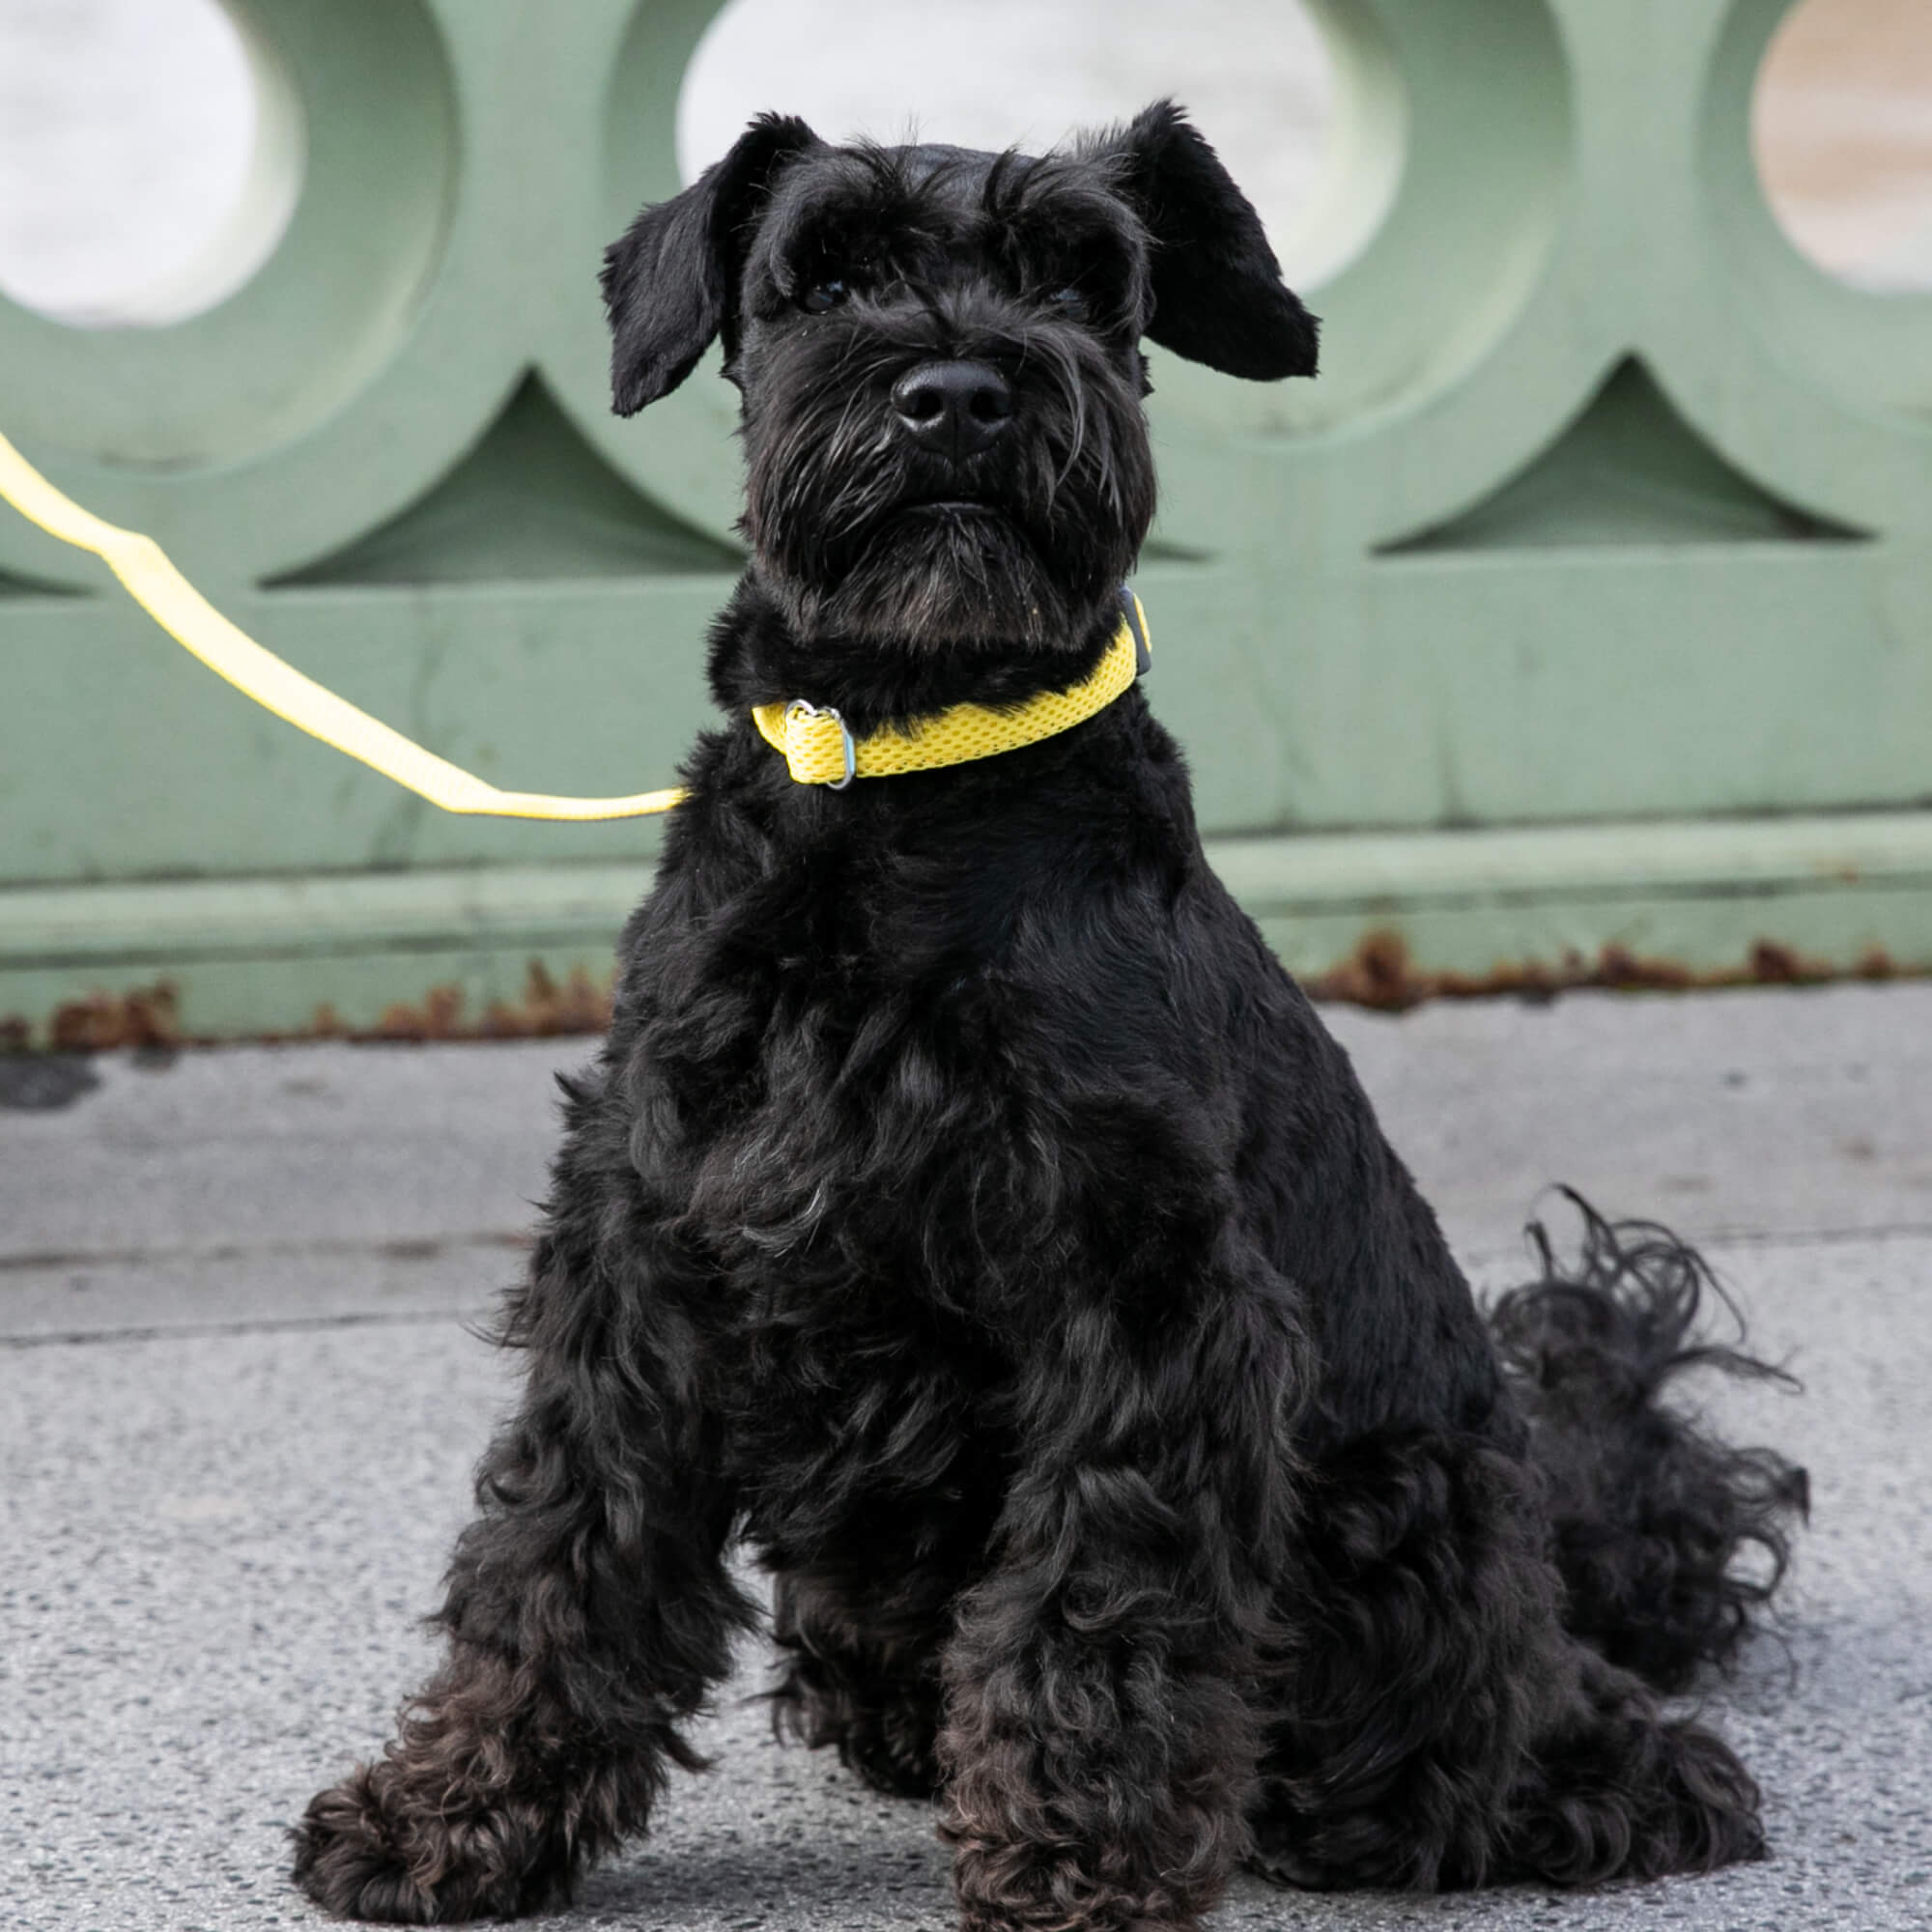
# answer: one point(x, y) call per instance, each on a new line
point(1100, 1736)
point(1439, 1727)
point(1425, 1629)
point(587, 1609)
point(1611, 1789)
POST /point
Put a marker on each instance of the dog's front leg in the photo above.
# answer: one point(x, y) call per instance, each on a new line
point(589, 1607)
point(1100, 1734)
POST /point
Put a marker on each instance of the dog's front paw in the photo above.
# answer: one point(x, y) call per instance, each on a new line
point(364, 1851)
point(1103, 1917)
point(350, 1858)
point(1042, 1888)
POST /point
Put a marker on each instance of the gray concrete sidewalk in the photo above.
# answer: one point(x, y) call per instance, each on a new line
point(240, 1402)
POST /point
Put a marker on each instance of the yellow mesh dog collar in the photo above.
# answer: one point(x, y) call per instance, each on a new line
point(819, 749)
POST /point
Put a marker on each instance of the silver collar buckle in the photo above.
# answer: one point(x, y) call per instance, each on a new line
point(802, 707)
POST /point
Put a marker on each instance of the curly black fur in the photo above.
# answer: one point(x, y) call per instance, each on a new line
point(1651, 1514)
point(968, 1211)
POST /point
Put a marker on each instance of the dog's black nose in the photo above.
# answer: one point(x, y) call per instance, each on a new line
point(953, 408)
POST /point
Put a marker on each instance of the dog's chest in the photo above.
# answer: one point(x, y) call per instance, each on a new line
point(860, 1090)
point(881, 1141)
point(909, 1082)
point(867, 1209)
point(853, 1054)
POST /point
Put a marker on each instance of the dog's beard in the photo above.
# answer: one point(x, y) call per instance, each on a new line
point(939, 574)
point(860, 537)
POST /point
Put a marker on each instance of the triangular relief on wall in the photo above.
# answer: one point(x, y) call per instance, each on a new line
point(1630, 471)
point(532, 499)
point(13, 587)
point(1166, 550)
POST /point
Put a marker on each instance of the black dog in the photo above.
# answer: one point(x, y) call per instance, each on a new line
point(968, 1210)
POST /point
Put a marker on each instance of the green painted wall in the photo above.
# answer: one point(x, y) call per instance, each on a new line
point(1586, 599)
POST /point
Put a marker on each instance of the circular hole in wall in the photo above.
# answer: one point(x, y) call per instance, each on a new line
point(149, 157)
point(1260, 82)
point(1842, 137)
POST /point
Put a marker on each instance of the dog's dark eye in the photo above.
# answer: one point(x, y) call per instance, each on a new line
point(1070, 303)
point(828, 293)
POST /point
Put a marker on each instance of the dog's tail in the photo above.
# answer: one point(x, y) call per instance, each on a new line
point(1669, 1541)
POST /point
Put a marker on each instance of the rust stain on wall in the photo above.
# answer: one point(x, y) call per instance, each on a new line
point(577, 1005)
point(1381, 974)
point(147, 1018)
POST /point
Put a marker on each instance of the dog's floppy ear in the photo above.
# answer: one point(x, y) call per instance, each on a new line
point(670, 284)
point(1218, 297)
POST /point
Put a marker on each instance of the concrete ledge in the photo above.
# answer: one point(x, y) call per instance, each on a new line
point(259, 956)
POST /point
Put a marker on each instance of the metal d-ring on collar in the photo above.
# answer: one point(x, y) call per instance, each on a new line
point(802, 707)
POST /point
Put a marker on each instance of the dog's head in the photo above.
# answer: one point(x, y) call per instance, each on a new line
point(938, 352)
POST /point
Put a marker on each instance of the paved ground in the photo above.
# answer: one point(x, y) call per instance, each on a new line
point(241, 1400)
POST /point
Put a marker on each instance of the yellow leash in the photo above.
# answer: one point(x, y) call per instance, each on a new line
point(817, 746)
point(187, 616)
